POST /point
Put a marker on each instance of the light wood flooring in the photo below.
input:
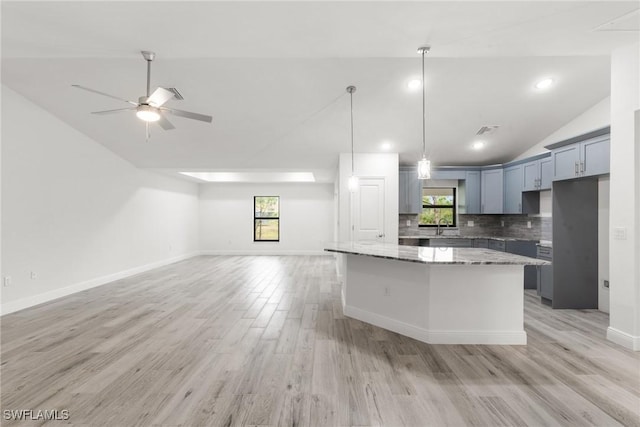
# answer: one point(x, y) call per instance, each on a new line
point(222, 341)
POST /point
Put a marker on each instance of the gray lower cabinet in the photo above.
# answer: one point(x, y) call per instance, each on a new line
point(410, 192)
point(525, 248)
point(481, 243)
point(545, 274)
point(451, 243)
point(513, 189)
point(496, 245)
point(491, 194)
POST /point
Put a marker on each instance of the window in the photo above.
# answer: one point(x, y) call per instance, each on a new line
point(266, 219)
point(438, 207)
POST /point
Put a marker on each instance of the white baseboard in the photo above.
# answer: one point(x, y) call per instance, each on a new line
point(437, 337)
point(260, 252)
point(624, 339)
point(21, 304)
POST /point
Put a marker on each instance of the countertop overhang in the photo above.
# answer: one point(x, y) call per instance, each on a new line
point(433, 255)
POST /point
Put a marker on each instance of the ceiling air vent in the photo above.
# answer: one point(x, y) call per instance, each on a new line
point(487, 130)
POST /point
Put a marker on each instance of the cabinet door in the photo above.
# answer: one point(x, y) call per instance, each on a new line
point(403, 204)
point(513, 190)
point(414, 193)
point(492, 189)
point(595, 157)
point(472, 188)
point(566, 161)
point(531, 175)
point(546, 173)
point(546, 281)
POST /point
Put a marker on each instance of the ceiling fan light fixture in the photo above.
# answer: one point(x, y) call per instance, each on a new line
point(148, 113)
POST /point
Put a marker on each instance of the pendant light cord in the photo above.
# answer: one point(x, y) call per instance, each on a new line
point(352, 161)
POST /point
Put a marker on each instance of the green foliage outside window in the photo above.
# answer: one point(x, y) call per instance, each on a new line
point(438, 207)
point(266, 219)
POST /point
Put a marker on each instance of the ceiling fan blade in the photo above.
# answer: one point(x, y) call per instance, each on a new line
point(189, 115)
point(159, 97)
point(165, 124)
point(104, 94)
point(113, 111)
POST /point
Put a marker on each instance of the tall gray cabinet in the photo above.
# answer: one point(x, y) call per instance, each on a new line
point(410, 192)
point(492, 191)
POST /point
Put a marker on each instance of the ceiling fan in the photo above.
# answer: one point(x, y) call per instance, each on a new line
point(150, 108)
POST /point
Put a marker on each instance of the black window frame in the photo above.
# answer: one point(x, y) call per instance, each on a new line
point(454, 207)
point(255, 218)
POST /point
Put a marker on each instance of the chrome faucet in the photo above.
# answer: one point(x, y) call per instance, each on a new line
point(447, 223)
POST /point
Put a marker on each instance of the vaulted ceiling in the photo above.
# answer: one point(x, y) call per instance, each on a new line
point(273, 75)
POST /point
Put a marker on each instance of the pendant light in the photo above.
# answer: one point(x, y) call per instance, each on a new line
point(424, 165)
point(353, 180)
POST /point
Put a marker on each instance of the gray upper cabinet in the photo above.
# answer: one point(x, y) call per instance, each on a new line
point(537, 174)
point(546, 173)
point(595, 156)
point(566, 162)
point(513, 183)
point(491, 194)
point(410, 192)
point(585, 158)
point(472, 188)
point(531, 175)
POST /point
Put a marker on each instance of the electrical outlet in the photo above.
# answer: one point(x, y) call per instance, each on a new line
point(502, 223)
point(408, 223)
point(470, 224)
point(606, 284)
point(6, 281)
point(528, 224)
point(34, 275)
point(387, 292)
point(170, 248)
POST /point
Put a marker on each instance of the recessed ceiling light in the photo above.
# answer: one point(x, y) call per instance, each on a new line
point(386, 146)
point(478, 145)
point(544, 84)
point(414, 84)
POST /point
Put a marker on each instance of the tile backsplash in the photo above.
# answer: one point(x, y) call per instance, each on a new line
point(488, 225)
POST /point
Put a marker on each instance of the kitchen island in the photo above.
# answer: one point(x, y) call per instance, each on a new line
point(437, 295)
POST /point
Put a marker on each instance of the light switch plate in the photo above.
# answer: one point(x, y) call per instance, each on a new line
point(620, 233)
point(470, 224)
point(528, 224)
point(408, 223)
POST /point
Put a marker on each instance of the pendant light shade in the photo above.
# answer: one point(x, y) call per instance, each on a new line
point(353, 180)
point(424, 169)
point(424, 165)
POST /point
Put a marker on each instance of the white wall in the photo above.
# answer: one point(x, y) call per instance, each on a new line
point(624, 293)
point(596, 117)
point(76, 214)
point(226, 218)
point(603, 243)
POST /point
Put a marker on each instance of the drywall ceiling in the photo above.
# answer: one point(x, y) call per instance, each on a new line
point(273, 75)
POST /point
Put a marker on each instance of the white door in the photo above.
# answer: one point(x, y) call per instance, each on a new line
point(368, 211)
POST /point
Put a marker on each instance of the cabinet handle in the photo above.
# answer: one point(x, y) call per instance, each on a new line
point(520, 207)
point(581, 167)
point(577, 167)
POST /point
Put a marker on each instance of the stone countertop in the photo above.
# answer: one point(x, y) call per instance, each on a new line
point(444, 236)
point(428, 255)
point(545, 244)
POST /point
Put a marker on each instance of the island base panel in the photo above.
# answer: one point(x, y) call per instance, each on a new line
point(437, 304)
